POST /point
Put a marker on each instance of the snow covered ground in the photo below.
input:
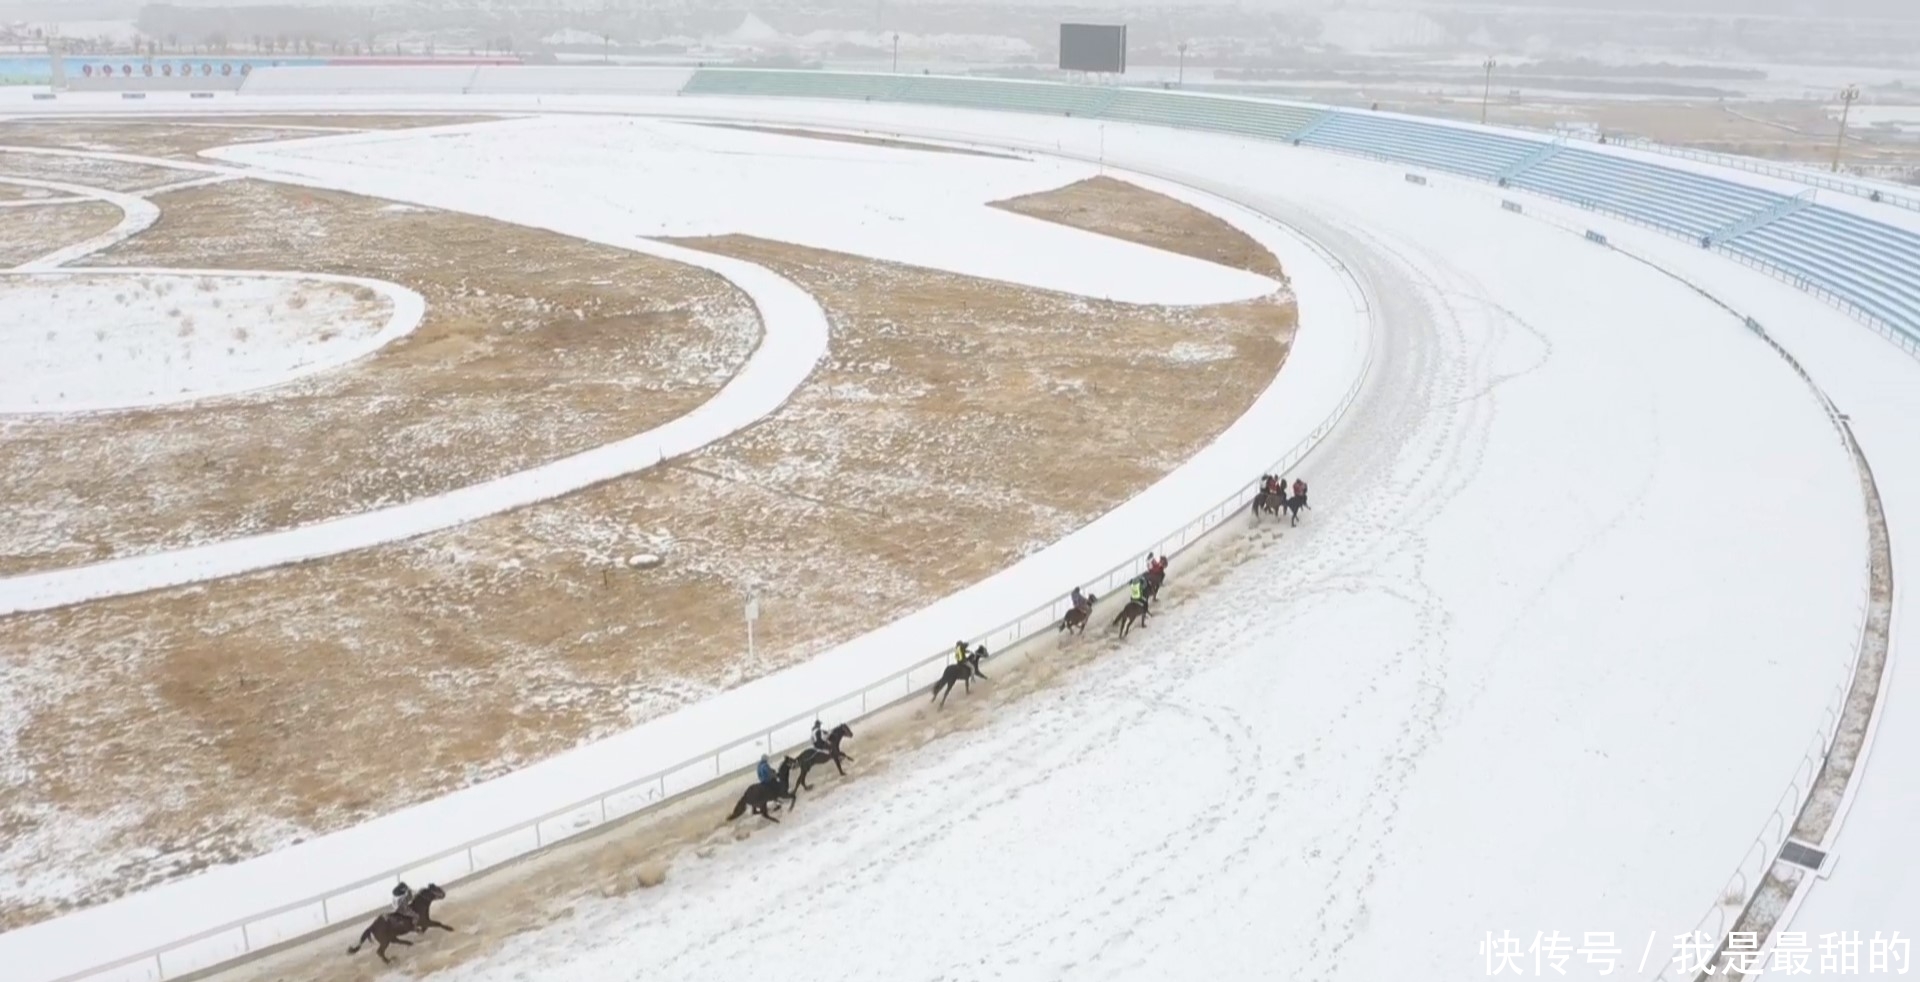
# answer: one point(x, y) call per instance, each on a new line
point(677, 179)
point(1580, 566)
point(113, 340)
point(614, 179)
point(1483, 688)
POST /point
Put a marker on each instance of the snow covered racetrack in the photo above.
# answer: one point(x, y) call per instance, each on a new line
point(1581, 531)
point(1468, 695)
point(981, 407)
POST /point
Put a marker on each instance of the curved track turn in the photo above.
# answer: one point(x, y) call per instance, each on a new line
point(1470, 694)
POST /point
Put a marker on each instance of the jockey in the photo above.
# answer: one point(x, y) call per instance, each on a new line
point(764, 771)
point(1080, 600)
point(1139, 593)
point(959, 652)
point(1269, 484)
point(403, 902)
point(820, 739)
point(1299, 488)
point(1158, 565)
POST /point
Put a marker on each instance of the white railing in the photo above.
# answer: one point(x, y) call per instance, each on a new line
point(353, 901)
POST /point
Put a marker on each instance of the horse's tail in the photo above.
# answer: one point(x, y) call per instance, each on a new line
point(739, 808)
point(365, 936)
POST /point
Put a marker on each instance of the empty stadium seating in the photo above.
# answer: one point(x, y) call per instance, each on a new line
point(1873, 265)
point(1472, 152)
point(1272, 120)
point(1691, 203)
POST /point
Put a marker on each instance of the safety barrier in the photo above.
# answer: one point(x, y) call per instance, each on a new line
point(355, 900)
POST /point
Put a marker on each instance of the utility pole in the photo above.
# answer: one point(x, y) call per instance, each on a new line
point(896, 52)
point(1182, 83)
point(1487, 91)
point(1847, 97)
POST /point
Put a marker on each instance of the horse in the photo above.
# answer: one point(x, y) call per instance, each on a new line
point(961, 671)
point(1293, 506)
point(1133, 611)
point(1269, 503)
point(387, 928)
point(759, 796)
point(1076, 619)
point(813, 756)
point(1150, 583)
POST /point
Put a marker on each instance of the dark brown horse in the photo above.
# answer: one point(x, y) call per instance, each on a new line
point(960, 671)
point(388, 927)
point(760, 796)
point(1132, 612)
point(1076, 619)
point(1268, 503)
point(813, 756)
point(1293, 506)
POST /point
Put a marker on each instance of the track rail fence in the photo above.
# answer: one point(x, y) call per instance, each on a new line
point(353, 901)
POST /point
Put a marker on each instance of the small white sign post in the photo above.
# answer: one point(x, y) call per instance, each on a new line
point(753, 614)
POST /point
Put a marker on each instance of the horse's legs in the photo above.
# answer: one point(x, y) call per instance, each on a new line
point(837, 767)
point(433, 923)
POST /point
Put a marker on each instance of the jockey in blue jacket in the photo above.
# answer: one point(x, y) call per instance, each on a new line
point(764, 770)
